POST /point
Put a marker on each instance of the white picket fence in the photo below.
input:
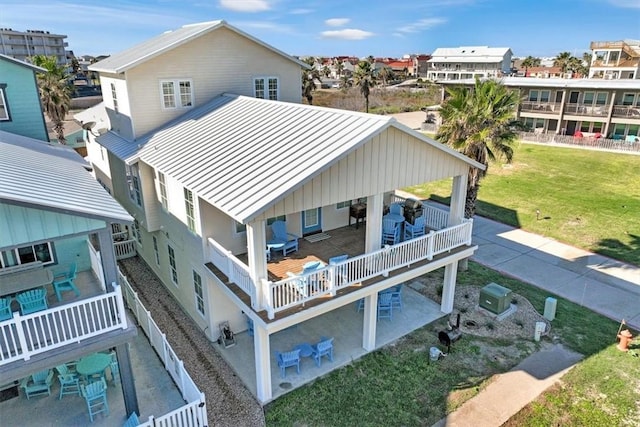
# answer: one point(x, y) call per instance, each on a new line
point(194, 413)
point(25, 336)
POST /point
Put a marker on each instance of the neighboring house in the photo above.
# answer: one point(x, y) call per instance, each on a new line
point(20, 107)
point(54, 215)
point(22, 45)
point(567, 106)
point(540, 72)
point(420, 64)
point(205, 181)
point(468, 62)
point(613, 60)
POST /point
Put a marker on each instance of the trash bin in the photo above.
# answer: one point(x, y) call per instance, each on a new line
point(434, 354)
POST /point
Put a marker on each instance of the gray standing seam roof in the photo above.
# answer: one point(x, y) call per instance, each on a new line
point(138, 54)
point(243, 154)
point(48, 180)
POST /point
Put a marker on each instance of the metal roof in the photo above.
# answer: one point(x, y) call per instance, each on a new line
point(48, 178)
point(142, 52)
point(468, 52)
point(22, 63)
point(629, 84)
point(243, 154)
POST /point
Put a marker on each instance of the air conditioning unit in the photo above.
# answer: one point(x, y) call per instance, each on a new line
point(495, 298)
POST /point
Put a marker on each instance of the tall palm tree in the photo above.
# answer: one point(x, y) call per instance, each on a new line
point(529, 62)
point(55, 92)
point(309, 78)
point(385, 74)
point(562, 61)
point(339, 66)
point(365, 79)
point(480, 123)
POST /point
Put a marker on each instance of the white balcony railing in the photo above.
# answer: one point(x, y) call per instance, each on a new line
point(25, 336)
point(299, 289)
point(125, 249)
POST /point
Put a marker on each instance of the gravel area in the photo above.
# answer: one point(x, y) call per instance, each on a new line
point(229, 402)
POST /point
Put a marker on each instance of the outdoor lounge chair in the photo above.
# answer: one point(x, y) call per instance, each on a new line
point(95, 394)
point(64, 282)
point(132, 421)
point(37, 383)
point(341, 275)
point(32, 300)
point(69, 384)
point(385, 306)
point(282, 240)
point(5, 309)
point(286, 359)
point(390, 232)
point(323, 348)
point(417, 229)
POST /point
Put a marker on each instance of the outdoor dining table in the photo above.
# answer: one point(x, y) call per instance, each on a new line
point(397, 218)
point(92, 364)
point(25, 279)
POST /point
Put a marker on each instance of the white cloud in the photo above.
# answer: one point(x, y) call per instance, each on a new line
point(632, 4)
point(264, 25)
point(421, 25)
point(301, 11)
point(398, 35)
point(337, 22)
point(245, 5)
point(347, 34)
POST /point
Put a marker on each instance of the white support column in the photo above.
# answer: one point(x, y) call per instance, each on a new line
point(257, 257)
point(263, 362)
point(108, 256)
point(369, 322)
point(458, 199)
point(374, 223)
point(449, 287)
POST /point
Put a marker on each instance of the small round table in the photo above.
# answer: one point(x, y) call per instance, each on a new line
point(306, 350)
point(93, 364)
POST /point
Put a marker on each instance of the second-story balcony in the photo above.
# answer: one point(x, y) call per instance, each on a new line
point(587, 110)
point(626, 111)
point(287, 291)
point(541, 107)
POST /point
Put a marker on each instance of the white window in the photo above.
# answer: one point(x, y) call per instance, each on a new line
point(197, 290)
point(173, 269)
point(266, 88)
point(162, 186)
point(114, 96)
point(42, 252)
point(135, 230)
point(155, 250)
point(133, 181)
point(342, 205)
point(4, 108)
point(176, 93)
point(190, 209)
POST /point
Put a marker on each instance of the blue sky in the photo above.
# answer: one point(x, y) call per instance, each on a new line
point(341, 27)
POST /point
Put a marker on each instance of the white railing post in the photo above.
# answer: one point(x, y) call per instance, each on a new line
point(230, 271)
point(22, 339)
point(430, 243)
point(267, 297)
point(122, 314)
point(332, 279)
point(469, 231)
point(182, 384)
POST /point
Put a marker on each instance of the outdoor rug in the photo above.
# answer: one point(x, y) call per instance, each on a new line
point(317, 237)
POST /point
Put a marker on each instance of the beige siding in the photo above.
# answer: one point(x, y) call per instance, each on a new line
point(150, 200)
point(121, 122)
point(218, 62)
point(387, 162)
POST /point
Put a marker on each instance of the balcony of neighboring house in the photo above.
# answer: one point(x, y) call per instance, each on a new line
point(626, 111)
point(586, 110)
point(540, 107)
point(289, 291)
point(124, 243)
point(41, 327)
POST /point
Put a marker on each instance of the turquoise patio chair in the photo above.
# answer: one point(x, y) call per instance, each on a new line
point(385, 306)
point(5, 308)
point(396, 296)
point(64, 282)
point(323, 348)
point(69, 384)
point(32, 300)
point(132, 421)
point(282, 240)
point(95, 395)
point(37, 383)
point(114, 367)
point(287, 359)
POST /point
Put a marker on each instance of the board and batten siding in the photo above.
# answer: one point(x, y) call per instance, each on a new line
point(120, 121)
point(24, 225)
point(218, 62)
point(388, 161)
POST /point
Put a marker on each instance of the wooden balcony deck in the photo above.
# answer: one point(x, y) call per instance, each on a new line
point(345, 240)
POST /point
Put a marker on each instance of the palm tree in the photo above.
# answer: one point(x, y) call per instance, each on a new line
point(55, 92)
point(309, 78)
point(326, 71)
point(480, 123)
point(345, 83)
point(365, 79)
point(529, 62)
point(339, 67)
point(385, 74)
point(562, 61)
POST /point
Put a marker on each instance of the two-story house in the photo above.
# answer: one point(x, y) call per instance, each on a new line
point(56, 222)
point(469, 62)
point(613, 60)
point(20, 108)
point(207, 153)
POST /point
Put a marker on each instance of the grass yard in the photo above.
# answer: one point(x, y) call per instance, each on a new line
point(398, 386)
point(588, 199)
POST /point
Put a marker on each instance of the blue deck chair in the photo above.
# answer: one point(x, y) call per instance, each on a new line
point(417, 229)
point(64, 282)
point(395, 208)
point(385, 306)
point(286, 359)
point(340, 271)
point(390, 232)
point(32, 300)
point(5, 308)
point(95, 395)
point(132, 421)
point(37, 383)
point(289, 241)
point(323, 348)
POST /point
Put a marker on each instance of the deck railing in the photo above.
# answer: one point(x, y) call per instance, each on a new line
point(25, 336)
point(194, 413)
point(299, 289)
point(233, 268)
point(125, 249)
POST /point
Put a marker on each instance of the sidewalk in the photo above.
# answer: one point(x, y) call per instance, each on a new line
point(601, 284)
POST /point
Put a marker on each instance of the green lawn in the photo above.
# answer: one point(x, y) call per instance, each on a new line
point(398, 386)
point(588, 199)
